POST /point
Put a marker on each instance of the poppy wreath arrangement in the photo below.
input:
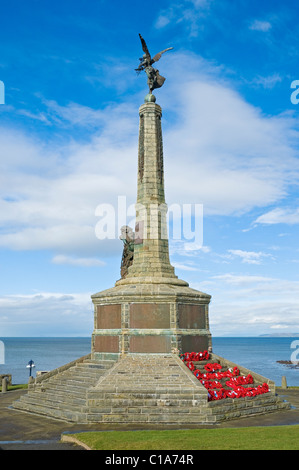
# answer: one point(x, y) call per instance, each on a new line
point(201, 356)
point(238, 392)
point(215, 388)
point(212, 367)
point(242, 380)
point(217, 375)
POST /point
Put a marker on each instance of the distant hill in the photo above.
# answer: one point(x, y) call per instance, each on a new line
point(281, 335)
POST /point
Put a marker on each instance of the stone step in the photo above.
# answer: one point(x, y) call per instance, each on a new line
point(83, 372)
point(245, 402)
point(242, 412)
point(62, 392)
point(107, 406)
point(78, 376)
point(134, 392)
point(63, 395)
point(145, 385)
point(103, 364)
point(113, 414)
point(53, 412)
point(204, 362)
point(131, 418)
point(55, 402)
point(66, 388)
point(72, 381)
point(75, 381)
point(234, 408)
point(77, 404)
point(174, 415)
point(145, 402)
point(146, 379)
point(148, 410)
point(58, 395)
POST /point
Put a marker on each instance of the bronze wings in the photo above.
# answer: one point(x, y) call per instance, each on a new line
point(146, 51)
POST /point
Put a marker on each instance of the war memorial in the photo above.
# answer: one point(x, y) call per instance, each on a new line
point(151, 357)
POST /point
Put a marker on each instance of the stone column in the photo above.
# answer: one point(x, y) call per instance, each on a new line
point(151, 252)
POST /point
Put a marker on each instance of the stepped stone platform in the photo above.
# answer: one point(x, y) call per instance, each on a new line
point(139, 388)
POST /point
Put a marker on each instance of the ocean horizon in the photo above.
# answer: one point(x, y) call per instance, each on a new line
point(257, 353)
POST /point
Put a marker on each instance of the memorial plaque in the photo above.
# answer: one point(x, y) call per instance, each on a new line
point(150, 344)
point(194, 343)
point(108, 317)
point(149, 315)
point(106, 344)
point(191, 316)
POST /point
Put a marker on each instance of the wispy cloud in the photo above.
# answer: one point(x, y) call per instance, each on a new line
point(279, 216)
point(185, 266)
point(188, 12)
point(258, 25)
point(239, 280)
point(82, 262)
point(250, 257)
point(40, 313)
point(267, 82)
point(251, 305)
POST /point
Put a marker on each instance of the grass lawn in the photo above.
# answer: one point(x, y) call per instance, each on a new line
point(15, 387)
point(253, 438)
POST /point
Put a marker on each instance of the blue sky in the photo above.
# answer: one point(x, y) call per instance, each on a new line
point(69, 134)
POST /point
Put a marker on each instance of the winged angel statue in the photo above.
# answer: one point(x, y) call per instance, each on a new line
point(155, 80)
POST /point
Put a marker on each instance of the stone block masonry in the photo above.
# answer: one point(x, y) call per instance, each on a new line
point(150, 310)
point(151, 256)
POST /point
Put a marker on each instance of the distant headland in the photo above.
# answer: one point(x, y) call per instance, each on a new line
point(281, 335)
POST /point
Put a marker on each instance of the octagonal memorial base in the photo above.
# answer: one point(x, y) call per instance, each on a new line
point(149, 318)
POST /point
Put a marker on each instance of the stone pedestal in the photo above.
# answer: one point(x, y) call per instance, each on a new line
point(150, 310)
point(150, 318)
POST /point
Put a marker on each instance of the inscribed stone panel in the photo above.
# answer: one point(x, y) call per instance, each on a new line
point(106, 344)
point(149, 315)
point(108, 316)
point(150, 344)
point(191, 316)
point(194, 343)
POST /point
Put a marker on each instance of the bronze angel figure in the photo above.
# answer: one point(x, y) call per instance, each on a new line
point(155, 80)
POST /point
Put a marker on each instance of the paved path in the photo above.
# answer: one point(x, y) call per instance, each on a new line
point(25, 431)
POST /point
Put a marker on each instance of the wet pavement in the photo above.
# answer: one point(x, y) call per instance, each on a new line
point(27, 431)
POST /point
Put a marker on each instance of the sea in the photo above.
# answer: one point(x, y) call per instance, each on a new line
point(259, 354)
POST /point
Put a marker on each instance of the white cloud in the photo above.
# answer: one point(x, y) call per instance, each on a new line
point(84, 262)
point(269, 81)
point(242, 279)
point(187, 249)
point(226, 147)
point(279, 216)
point(250, 257)
point(251, 305)
point(258, 25)
point(184, 266)
point(164, 19)
point(42, 313)
point(187, 12)
point(279, 327)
